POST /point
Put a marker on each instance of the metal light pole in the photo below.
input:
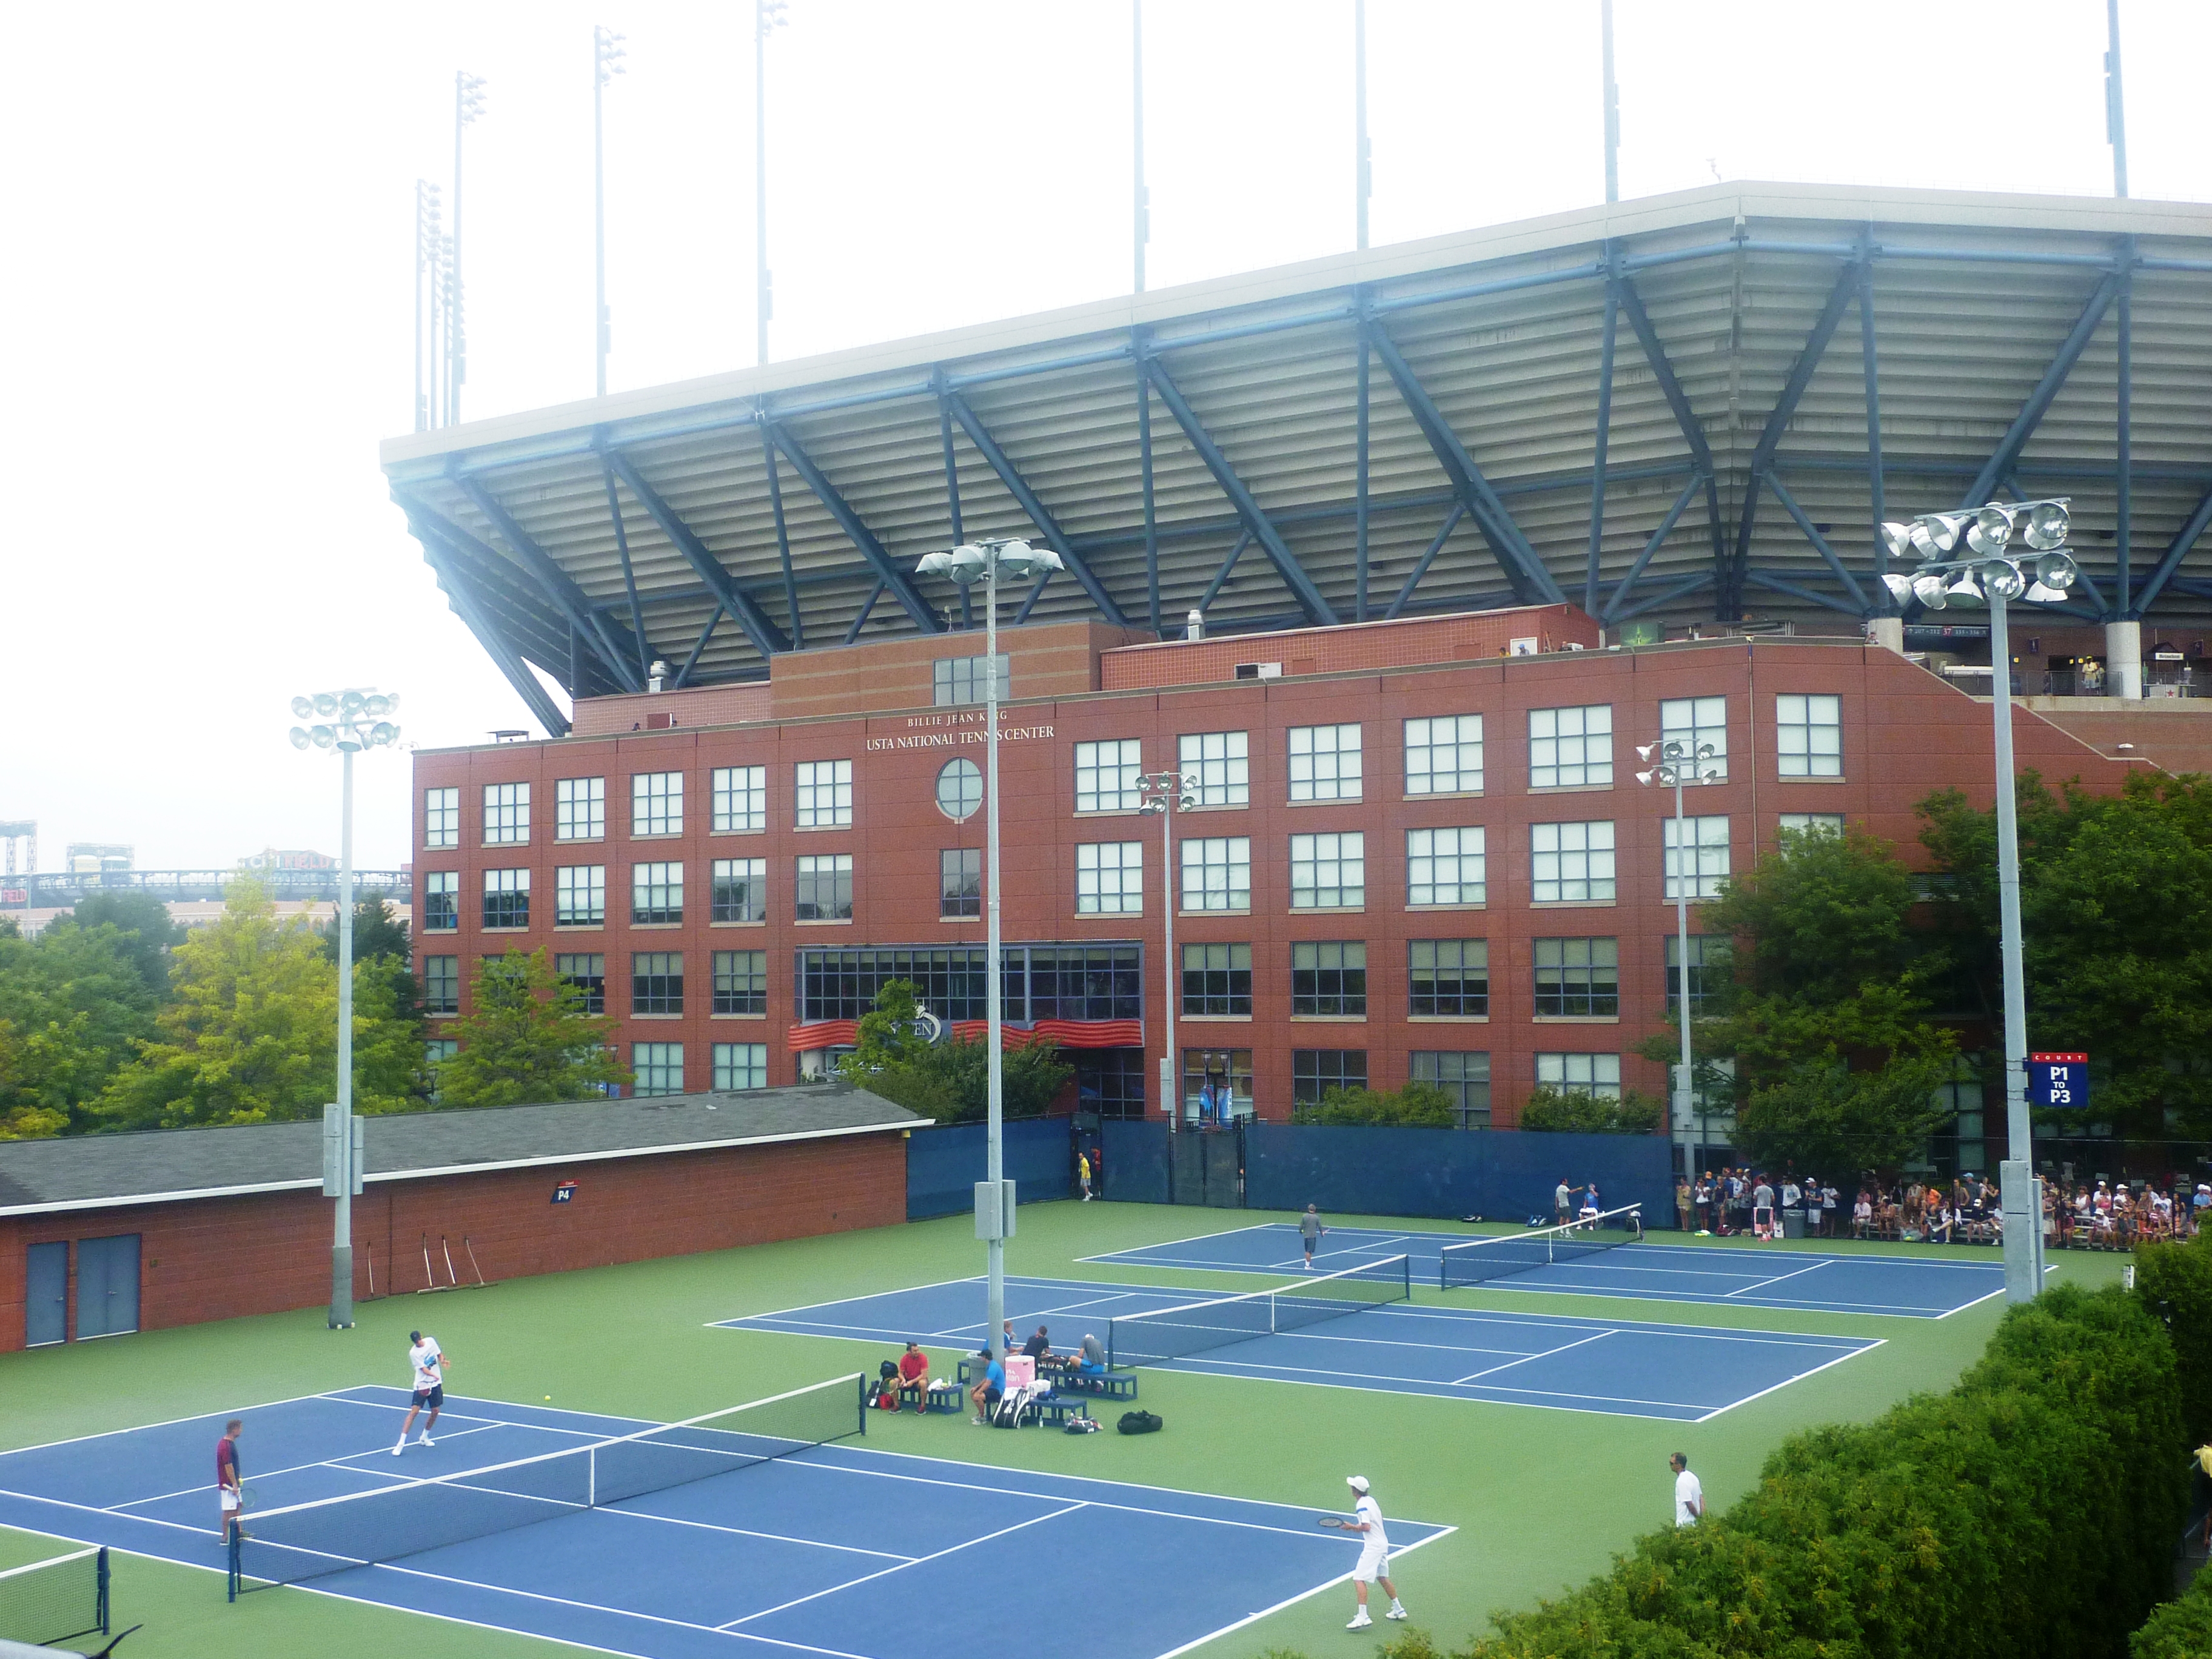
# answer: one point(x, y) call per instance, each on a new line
point(428, 259)
point(2116, 106)
point(1677, 766)
point(1168, 794)
point(1993, 578)
point(606, 64)
point(468, 103)
point(1144, 200)
point(766, 15)
point(348, 721)
point(1612, 103)
point(1363, 172)
point(970, 562)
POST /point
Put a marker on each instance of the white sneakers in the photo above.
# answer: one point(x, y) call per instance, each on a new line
point(1396, 1612)
point(423, 1439)
point(1361, 1622)
point(426, 1440)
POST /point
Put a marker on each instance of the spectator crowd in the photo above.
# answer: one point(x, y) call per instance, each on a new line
point(2111, 1214)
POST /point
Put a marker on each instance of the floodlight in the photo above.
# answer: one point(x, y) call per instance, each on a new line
point(1898, 538)
point(303, 706)
point(1938, 533)
point(300, 738)
point(659, 669)
point(2056, 570)
point(325, 704)
point(384, 732)
point(1645, 777)
point(2047, 523)
point(1928, 589)
point(2039, 594)
point(1965, 593)
point(1899, 586)
point(376, 707)
point(324, 737)
point(1645, 750)
point(2001, 578)
point(349, 703)
point(1991, 530)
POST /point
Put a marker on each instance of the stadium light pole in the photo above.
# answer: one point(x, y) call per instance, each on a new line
point(427, 238)
point(766, 15)
point(1993, 577)
point(1144, 201)
point(468, 103)
point(1677, 766)
point(965, 565)
point(348, 722)
point(606, 64)
point(1611, 98)
point(1168, 794)
point(1362, 178)
point(2116, 107)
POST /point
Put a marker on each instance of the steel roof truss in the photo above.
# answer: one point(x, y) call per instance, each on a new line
point(1870, 370)
point(768, 639)
point(629, 573)
point(467, 606)
point(1819, 542)
point(583, 616)
point(2176, 550)
point(1667, 595)
point(2000, 463)
point(860, 618)
point(888, 574)
point(1612, 611)
point(774, 469)
point(1767, 579)
point(952, 491)
point(1421, 565)
point(1604, 431)
point(1685, 418)
point(714, 620)
point(1220, 576)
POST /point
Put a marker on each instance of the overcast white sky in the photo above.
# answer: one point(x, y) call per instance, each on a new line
point(210, 214)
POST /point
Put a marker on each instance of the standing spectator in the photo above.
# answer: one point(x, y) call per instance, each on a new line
point(1684, 1203)
point(1562, 1202)
point(1792, 1196)
point(1205, 1102)
point(1828, 1209)
point(1689, 1492)
point(1082, 1173)
point(2201, 1201)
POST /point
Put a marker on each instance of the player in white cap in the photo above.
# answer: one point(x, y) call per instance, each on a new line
point(1374, 1552)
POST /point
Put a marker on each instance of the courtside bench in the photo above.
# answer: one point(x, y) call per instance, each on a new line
point(1114, 1385)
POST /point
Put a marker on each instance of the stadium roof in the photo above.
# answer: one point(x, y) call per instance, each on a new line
point(1735, 336)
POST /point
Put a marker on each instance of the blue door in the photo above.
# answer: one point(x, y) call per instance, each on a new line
point(106, 1286)
point(45, 1296)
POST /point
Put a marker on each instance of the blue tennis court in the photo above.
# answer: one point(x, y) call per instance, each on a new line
point(1681, 1373)
point(842, 1550)
point(1753, 1275)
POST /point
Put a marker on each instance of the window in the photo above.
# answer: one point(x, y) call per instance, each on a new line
point(1572, 862)
point(1040, 981)
point(1464, 1076)
point(740, 891)
point(826, 888)
point(656, 893)
point(1106, 776)
point(1822, 823)
point(441, 817)
point(1808, 738)
point(507, 898)
point(1597, 1075)
point(580, 809)
point(740, 982)
point(1707, 858)
point(1074, 981)
point(824, 795)
point(656, 804)
point(1577, 978)
point(1325, 763)
point(1217, 873)
point(1110, 879)
point(588, 974)
point(1221, 761)
point(1962, 1098)
point(658, 1067)
point(1694, 722)
point(960, 883)
point(1328, 872)
point(954, 680)
point(579, 896)
point(438, 1048)
point(505, 814)
point(441, 985)
point(959, 790)
point(656, 982)
point(1330, 977)
point(1111, 1082)
point(1444, 866)
point(740, 799)
point(1229, 1068)
point(740, 1066)
point(442, 900)
point(1443, 755)
point(1708, 959)
point(1448, 978)
point(1314, 1071)
point(1217, 978)
point(1570, 748)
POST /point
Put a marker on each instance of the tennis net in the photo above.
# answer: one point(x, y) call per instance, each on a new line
point(1481, 1259)
point(52, 1600)
point(1149, 1339)
point(331, 1535)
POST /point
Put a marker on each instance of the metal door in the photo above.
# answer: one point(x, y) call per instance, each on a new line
point(46, 1296)
point(106, 1286)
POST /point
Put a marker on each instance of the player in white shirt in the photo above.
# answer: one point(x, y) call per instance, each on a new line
point(1374, 1552)
point(1689, 1492)
point(429, 1362)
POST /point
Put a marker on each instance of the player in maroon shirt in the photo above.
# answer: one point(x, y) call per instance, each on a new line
point(226, 1478)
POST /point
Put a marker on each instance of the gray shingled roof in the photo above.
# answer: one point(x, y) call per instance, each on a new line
point(164, 1165)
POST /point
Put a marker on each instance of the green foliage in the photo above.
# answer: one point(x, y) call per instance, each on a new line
point(1554, 1111)
point(378, 931)
point(1416, 1106)
point(142, 921)
point(527, 1039)
point(1819, 918)
point(2175, 1281)
point(2181, 1629)
point(948, 1081)
point(74, 1002)
point(2116, 915)
point(251, 1034)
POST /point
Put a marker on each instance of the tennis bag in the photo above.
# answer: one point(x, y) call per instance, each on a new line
point(1140, 1423)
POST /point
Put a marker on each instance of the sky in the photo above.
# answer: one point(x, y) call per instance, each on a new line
point(212, 214)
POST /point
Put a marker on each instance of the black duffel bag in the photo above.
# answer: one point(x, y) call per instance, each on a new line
point(1140, 1423)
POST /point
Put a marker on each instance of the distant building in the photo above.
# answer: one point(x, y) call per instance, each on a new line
point(87, 858)
point(271, 858)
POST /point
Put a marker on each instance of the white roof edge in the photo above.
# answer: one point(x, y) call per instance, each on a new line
point(1674, 210)
point(315, 1183)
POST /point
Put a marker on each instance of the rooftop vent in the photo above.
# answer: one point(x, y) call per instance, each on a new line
point(1259, 671)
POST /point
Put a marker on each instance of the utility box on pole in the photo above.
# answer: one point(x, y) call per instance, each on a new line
point(994, 1210)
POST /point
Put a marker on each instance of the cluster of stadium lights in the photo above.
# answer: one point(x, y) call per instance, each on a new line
point(1677, 766)
point(345, 724)
point(972, 561)
point(1943, 583)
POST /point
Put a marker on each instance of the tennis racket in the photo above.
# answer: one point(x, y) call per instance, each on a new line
point(248, 1499)
point(1336, 1521)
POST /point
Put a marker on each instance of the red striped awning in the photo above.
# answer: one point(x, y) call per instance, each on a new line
point(1068, 1033)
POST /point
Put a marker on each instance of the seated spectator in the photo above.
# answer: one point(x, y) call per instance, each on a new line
point(990, 1387)
point(1862, 1214)
point(912, 1367)
point(1939, 1223)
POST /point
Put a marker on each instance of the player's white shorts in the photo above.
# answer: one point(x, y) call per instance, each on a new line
point(1374, 1560)
point(226, 1498)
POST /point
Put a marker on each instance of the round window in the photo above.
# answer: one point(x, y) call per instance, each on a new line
point(959, 789)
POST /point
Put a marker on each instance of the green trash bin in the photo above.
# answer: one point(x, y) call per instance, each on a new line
point(1793, 1223)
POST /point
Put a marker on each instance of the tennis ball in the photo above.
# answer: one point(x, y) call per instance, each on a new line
point(548, 1396)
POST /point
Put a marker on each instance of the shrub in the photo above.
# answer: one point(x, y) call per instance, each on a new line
point(2175, 1281)
point(2179, 1630)
point(1417, 1106)
point(1553, 1110)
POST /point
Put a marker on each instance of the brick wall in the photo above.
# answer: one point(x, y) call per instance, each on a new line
point(1470, 638)
point(647, 711)
point(224, 1258)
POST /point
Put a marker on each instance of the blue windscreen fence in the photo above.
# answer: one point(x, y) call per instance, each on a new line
point(943, 1164)
point(1134, 1163)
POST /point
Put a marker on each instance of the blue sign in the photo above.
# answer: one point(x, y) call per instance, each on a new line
point(565, 1193)
point(2058, 1081)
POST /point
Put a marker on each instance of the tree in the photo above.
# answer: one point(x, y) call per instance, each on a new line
point(74, 1002)
point(527, 1039)
point(144, 922)
point(380, 934)
point(1550, 1110)
point(1416, 1106)
point(251, 1036)
point(948, 1081)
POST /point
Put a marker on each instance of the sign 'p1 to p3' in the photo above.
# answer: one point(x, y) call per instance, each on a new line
point(2060, 1082)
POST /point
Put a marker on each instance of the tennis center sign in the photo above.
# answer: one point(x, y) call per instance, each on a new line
point(2059, 1081)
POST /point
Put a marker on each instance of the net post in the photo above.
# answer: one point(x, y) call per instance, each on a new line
point(1406, 1267)
point(103, 1590)
point(592, 1478)
point(232, 1576)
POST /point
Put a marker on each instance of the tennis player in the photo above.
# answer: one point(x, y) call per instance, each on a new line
point(429, 1362)
point(227, 1495)
point(1310, 1232)
point(1374, 1552)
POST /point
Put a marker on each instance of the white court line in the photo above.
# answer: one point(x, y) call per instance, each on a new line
point(864, 1296)
point(1787, 1381)
point(1293, 1600)
point(1782, 1304)
point(743, 1532)
point(175, 1422)
point(1595, 1336)
point(1195, 1238)
point(339, 1462)
point(1770, 1283)
point(1538, 1398)
point(1423, 1311)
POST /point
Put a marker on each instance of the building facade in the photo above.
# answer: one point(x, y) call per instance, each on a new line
point(1418, 849)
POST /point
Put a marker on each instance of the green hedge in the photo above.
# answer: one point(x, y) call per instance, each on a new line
point(2179, 1630)
point(2175, 1281)
point(2031, 1511)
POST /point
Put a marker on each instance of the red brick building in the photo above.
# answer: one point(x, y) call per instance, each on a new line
point(1420, 848)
